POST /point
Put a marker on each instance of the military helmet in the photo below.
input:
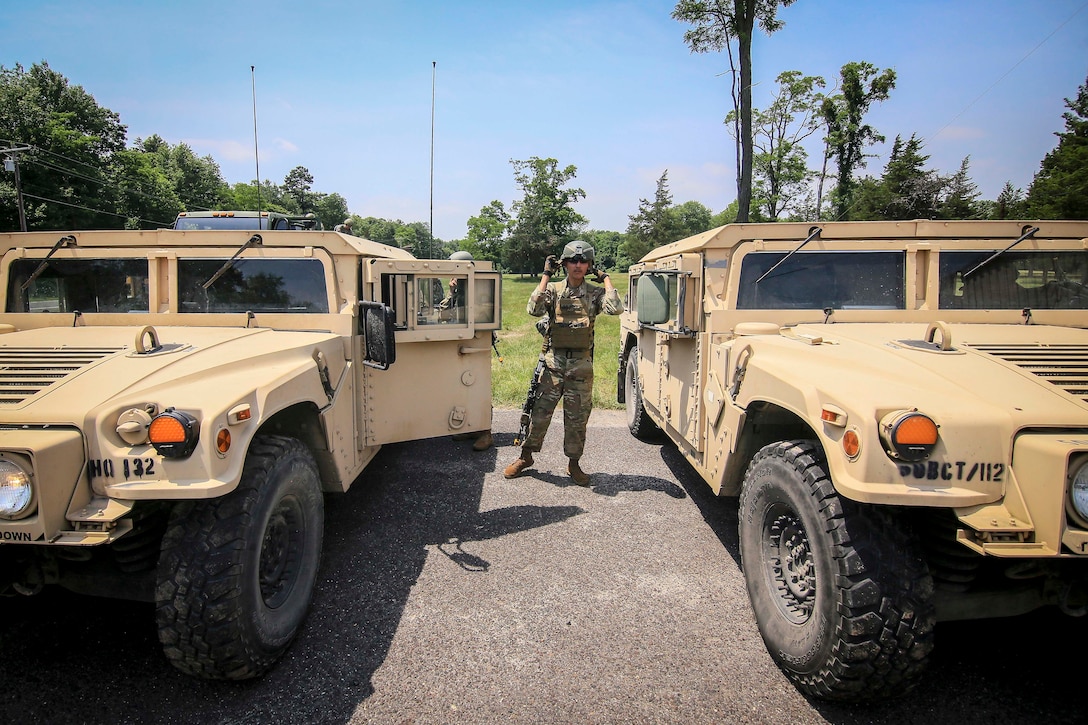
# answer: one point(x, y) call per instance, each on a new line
point(577, 248)
point(461, 256)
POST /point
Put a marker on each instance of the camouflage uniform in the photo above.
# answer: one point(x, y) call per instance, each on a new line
point(568, 371)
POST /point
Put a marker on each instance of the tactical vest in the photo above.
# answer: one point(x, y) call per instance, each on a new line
point(572, 325)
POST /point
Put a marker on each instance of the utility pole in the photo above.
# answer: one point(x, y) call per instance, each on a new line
point(11, 163)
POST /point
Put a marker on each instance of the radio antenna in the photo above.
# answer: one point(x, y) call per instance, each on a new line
point(256, 156)
point(430, 228)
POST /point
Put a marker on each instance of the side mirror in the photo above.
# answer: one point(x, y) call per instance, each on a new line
point(653, 299)
point(376, 323)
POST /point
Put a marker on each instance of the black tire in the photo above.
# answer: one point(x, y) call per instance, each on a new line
point(841, 594)
point(236, 573)
point(638, 420)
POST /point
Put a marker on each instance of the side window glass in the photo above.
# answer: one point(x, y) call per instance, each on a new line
point(484, 301)
point(441, 300)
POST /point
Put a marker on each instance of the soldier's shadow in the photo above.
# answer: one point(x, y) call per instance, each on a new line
point(611, 484)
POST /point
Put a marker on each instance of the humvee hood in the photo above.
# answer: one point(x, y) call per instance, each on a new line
point(94, 365)
point(1040, 370)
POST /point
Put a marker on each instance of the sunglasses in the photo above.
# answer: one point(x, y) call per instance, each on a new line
point(577, 258)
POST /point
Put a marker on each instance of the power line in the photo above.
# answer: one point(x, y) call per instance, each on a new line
point(104, 182)
point(1010, 70)
point(96, 211)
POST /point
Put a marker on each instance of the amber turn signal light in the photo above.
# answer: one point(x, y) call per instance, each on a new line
point(174, 433)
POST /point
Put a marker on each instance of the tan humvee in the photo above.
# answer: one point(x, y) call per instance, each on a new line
point(902, 409)
point(173, 404)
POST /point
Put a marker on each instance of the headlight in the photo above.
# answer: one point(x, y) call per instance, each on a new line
point(908, 435)
point(174, 433)
point(1078, 491)
point(16, 493)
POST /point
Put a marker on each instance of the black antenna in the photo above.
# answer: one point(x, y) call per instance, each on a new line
point(256, 156)
point(430, 230)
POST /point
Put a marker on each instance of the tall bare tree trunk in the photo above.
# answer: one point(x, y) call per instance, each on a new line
point(744, 10)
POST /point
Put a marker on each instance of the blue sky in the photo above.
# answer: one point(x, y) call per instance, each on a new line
point(345, 89)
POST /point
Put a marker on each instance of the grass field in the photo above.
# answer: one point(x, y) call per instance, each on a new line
point(519, 346)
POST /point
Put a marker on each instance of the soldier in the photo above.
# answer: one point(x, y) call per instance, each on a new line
point(344, 227)
point(572, 307)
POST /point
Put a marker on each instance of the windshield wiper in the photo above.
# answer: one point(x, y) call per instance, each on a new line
point(813, 232)
point(254, 241)
point(65, 241)
point(1028, 231)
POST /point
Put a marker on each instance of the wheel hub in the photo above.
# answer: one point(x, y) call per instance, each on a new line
point(280, 553)
point(789, 565)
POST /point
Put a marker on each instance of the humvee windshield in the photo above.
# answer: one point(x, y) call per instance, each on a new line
point(817, 280)
point(121, 285)
point(1014, 280)
point(254, 285)
point(1039, 279)
point(226, 222)
point(87, 285)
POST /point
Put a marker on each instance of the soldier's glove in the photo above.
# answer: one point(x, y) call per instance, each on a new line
point(551, 265)
point(598, 274)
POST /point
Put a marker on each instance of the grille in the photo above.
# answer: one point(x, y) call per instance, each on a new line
point(1063, 365)
point(27, 371)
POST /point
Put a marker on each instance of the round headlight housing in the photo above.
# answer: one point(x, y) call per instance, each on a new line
point(174, 433)
point(1078, 492)
point(16, 492)
point(908, 435)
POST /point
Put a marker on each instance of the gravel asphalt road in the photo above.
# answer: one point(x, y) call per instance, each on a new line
point(448, 594)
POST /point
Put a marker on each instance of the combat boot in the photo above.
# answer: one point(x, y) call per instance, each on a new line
point(514, 469)
point(576, 473)
point(484, 441)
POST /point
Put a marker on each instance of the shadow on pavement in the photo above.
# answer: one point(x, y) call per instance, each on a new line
point(70, 658)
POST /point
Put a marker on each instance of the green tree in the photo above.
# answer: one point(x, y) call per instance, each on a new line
point(415, 237)
point(145, 194)
point(652, 226)
point(960, 199)
point(197, 181)
point(487, 232)
point(912, 190)
point(780, 163)
point(65, 175)
point(606, 248)
point(907, 190)
point(1009, 203)
point(244, 197)
point(1060, 187)
point(330, 209)
point(544, 218)
point(847, 136)
point(716, 24)
point(298, 184)
point(376, 230)
point(689, 218)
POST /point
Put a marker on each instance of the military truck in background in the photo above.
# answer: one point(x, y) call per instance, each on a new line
point(174, 405)
point(902, 410)
point(194, 220)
